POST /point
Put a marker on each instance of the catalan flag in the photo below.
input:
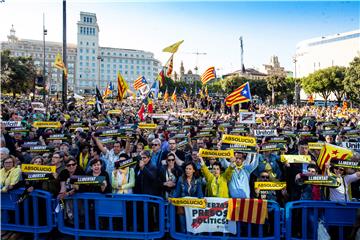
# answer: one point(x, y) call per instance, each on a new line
point(166, 95)
point(122, 87)
point(173, 48)
point(208, 75)
point(240, 95)
point(170, 65)
point(173, 96)
point(206, 91)
point(140, 82)
point(150, 106)
point(161, 78)
point(330, 151)
point(247, 210)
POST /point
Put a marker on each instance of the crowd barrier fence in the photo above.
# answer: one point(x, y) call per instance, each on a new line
point(33, 215)
point(150, 217)
point(113, 215)
point(304, 217)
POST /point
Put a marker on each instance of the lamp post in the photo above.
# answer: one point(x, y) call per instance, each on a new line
point(100, 58)
point(297, 90)
point(44, 67)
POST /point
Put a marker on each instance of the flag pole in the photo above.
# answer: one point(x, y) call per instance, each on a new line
point(64, 80)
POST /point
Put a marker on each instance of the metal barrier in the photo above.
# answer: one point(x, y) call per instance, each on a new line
point(303, 217)
point(33, 215)
point(113, 216)
point(270, 230)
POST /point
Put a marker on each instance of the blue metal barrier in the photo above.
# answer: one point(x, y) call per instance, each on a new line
point(113, 216)
point(33, 215)
point(270, 230)
point(302, 218)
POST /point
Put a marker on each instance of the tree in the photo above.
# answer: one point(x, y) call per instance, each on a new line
point(326, 81)
point(352, 80)
point(275, 84)
point(18, 73)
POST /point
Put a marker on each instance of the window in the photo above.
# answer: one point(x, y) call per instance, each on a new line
point(81, 41)
point(81, 31)
point(87, 43)
point(114, 54)
point(84, 19)
point(125, 55)
point(90, 20)
point(108, 65)
point(93, 58)
point(87, 50)
point(81, 57)
point(87, 58)
point(93, 51)
point(120, 66)
point(93, 44)
point(114, 66)
point(93, 64)
point(81, 51)
point(102, 65)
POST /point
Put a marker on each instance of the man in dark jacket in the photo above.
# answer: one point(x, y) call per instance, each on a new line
point(146, 181)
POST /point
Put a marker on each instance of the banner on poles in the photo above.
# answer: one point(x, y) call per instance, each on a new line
point(210, 219)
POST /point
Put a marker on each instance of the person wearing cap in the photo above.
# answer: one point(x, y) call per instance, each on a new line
point(123, 178)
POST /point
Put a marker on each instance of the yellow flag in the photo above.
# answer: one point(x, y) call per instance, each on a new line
point(59, 62)
point(122, 87)
point(173, 48)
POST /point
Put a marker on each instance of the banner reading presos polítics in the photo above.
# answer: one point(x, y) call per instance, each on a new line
point(210, 219)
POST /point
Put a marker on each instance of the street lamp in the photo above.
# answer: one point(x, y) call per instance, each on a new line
point(44, 67)
point(100, 58)
point(297, 87)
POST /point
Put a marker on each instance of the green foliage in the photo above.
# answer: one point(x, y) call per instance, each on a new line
point(18, 73)
point(325, 81)
point(352, 80)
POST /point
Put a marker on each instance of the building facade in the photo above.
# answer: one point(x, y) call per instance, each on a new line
point(322, 52)
point(35, 49)
point(89, 64)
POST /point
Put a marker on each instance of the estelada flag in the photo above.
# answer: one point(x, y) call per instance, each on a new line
point(247, 210)
point(173, 48)
point(330, 151)
point(240, 95)
point(59, 64)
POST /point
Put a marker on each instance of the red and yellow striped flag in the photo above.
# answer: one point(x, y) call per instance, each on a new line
point(170, 66)
point(330, 151)
point(166, 95)
point(208, 75)
point(247, 210)
point(173, 96)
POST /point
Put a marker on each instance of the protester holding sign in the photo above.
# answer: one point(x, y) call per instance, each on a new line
point(309, 191)
point(216, 183)
point(105, 186)
point(123, 178)
point(341, 193)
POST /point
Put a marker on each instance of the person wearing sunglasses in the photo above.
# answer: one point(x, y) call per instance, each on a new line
point(342, 192)
point(157, 153)
point(71, 169)
point(168, 176)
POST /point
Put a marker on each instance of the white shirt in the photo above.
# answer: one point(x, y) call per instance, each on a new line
point(339, 194)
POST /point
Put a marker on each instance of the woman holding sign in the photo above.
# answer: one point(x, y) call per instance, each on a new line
point(216, 183)
point(123, 177)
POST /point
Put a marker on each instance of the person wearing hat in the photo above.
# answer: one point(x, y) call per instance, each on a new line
point(123, 178)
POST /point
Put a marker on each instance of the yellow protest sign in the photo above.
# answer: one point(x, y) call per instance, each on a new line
point(90, 102)
point(114, 112)
point(37, 168)
point(188, 202)
point(259, 121)
point(147, 125)
point(47, 124)
point(295, 158)
point(270, 185)
point(216, 153)
point(240, 140)
point(316, 145)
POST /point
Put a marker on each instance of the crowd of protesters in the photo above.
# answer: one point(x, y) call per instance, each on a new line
point(166, 160)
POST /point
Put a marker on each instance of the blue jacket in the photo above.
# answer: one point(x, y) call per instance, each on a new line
point(182, 188)
point(272, 159)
